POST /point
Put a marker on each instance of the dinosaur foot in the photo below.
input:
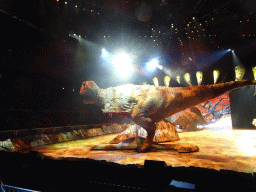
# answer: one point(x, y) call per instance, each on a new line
point(145, 147)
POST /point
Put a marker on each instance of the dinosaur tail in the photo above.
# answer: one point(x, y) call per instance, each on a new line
point(190, 96)
point(215, 90)
point(228, 86)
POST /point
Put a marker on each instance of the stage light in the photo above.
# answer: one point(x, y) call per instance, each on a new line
point(247, 145)
point(187, 79)
point(152, 64)
point(239, 71)
point(159, 67)
point(199, 77)
point(155, 81)
point(123, 65)
point(233, 51)
point(104, 53)
point(216, 74)
point(178, 79)
point(254, 122)
point(167, 81)
point(254, 74)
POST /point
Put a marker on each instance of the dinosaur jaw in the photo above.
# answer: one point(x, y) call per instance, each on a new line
point(92, 100)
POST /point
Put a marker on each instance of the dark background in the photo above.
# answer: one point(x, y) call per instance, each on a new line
point(42, 66)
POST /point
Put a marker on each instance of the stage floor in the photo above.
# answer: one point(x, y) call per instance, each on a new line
point(230, 150)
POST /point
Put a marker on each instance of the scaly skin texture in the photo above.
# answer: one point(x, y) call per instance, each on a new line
point(148, 104)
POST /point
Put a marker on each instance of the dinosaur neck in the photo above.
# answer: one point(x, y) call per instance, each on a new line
point(93, 97)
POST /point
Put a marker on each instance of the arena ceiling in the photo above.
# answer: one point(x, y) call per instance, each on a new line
point(178, 29)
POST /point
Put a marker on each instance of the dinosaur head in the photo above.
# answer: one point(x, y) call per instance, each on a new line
point(88, 87)
point(89, 90)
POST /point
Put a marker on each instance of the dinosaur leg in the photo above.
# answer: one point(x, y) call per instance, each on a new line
point(149, 126)
point(192, 127)
point(149, 140)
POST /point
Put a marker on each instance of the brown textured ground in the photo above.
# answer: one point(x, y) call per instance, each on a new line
point(232, 150)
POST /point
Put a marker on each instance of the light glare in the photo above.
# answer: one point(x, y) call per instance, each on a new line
point(152, 64)
point(123, 65)
point(104, 52)
point(160, 67)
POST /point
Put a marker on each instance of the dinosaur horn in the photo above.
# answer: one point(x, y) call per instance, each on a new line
point(88, 86)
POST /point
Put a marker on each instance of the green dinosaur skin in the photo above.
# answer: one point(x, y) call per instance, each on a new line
point(148, 104)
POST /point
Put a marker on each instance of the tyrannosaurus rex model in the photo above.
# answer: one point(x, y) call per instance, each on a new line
point(148, 104)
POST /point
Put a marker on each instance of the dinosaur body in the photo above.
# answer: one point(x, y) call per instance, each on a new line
point(188, 121)
point(148, 104)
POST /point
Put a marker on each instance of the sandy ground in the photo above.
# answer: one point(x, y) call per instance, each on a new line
point(230, 150)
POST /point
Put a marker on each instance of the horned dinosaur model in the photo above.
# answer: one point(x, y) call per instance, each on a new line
point(147, 104)
point(188, 121)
